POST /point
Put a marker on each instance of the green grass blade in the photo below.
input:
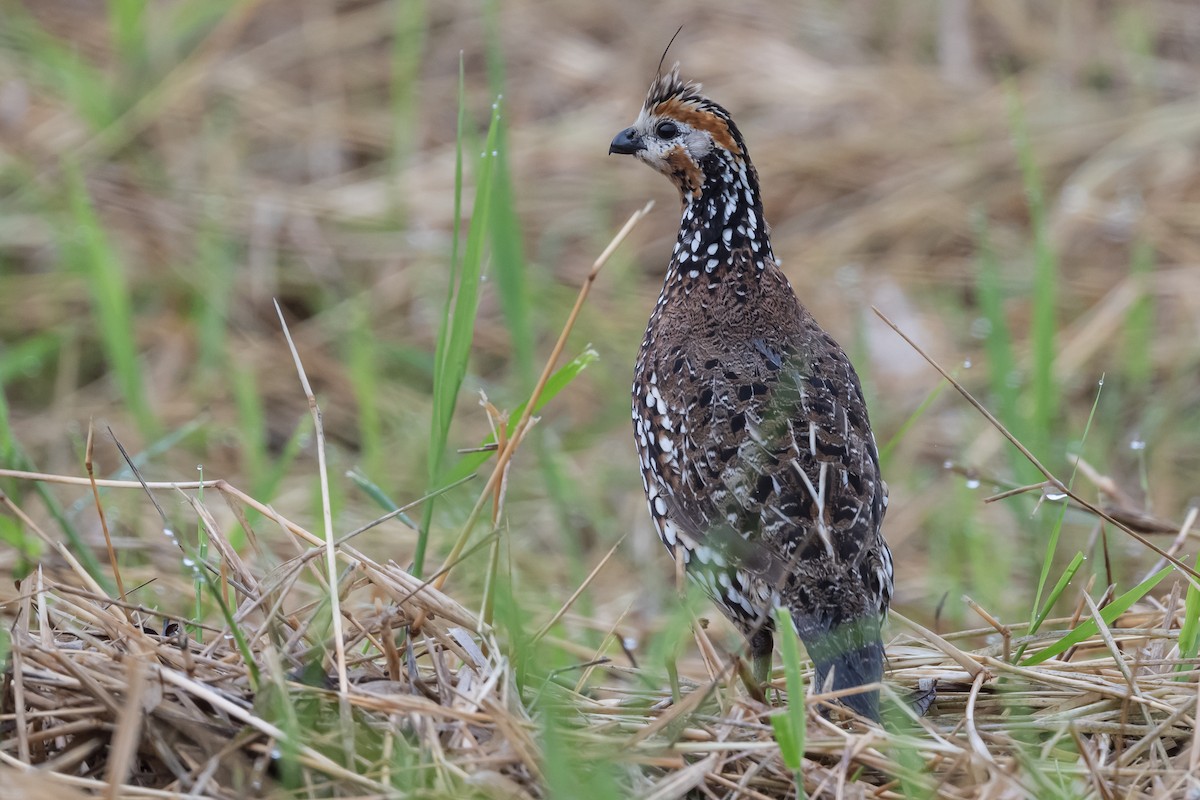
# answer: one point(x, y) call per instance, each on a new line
point(215, 281)
point(1045, 289)
point(494, 46)
point(362, 361)
point(1048, 561)
point(1109, 614)
point(379, 496)
point(59, 67)
point(89, 251)
point(790, 725)
point(508, 267)
point(265, 476)
point(127, 23)
point(458, 322)
point(512, 283)
point(30, 356)
point(555, 384)
point(1042, 613)
point(186, 21)
point(461, 323)
point(1063, 581)
point(508, 256)
point(1002, 364)
point(573, 773)
point(1052, 544)
point(411, 28)
point(252, 427)
point(207, 577)
point(14, 533)
point(1189, 633)
point(439, 429)
point(1139, 321)
point(885, 452)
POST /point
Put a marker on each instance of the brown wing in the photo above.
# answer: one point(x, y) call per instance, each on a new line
point(776, 471)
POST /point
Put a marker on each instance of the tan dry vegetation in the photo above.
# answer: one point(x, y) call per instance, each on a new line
point(100, 702)
point(883, 131)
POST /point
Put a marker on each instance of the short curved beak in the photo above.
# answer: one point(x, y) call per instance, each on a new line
point(626, 143)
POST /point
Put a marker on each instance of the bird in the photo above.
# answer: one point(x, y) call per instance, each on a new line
point(757, 456)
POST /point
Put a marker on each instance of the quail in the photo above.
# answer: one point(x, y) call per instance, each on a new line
point(760, 468)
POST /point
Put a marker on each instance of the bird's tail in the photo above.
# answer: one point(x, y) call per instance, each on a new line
point(847, 656)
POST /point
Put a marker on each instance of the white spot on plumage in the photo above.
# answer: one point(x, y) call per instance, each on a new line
point(669, 532)
point(655, 401)
point(740, 599)
point(708, 556)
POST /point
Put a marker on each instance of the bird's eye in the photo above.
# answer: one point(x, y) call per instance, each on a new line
point(667, 130)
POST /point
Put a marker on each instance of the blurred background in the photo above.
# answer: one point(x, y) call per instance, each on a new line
point(1015, 184)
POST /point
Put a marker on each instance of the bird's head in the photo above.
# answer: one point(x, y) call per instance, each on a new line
point(685, 136)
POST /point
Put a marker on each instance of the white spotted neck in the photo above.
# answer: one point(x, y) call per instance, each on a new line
point(724, 217)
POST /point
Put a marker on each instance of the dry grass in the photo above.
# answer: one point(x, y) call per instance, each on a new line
point(102, 701)
point(304, 152)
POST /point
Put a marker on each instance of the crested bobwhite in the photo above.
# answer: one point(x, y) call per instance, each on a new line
point(757, 456)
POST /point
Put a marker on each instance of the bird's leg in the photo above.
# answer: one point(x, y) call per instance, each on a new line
point(762, 645)
point(681, 590)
